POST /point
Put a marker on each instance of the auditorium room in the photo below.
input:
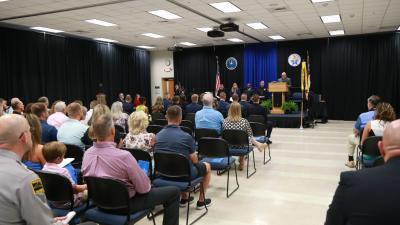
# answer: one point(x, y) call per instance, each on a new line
point(206, 112)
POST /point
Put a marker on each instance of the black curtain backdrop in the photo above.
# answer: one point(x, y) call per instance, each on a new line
point(196, 68)
point(347, 70)
point(34, 64)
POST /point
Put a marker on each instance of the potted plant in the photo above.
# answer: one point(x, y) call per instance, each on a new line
point(289, 107)
point(267, 105)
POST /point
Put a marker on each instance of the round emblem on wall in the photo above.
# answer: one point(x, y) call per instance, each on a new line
point(231, 63)
point(294, 59)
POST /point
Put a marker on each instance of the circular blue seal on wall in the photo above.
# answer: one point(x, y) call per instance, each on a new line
point(294, 59)
point(231, 63)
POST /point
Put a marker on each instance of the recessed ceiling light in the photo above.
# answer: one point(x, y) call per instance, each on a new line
point(152, 35)
point(319, 1)
point(276, 37)
point(336, 32)
point(45, 29)
point(331, 19)
point(204, 29)
point(234, 40)
point(145, 46)
point(3, 0)
point(187, 43)
point(165, 14)
point(100, 22)
point(257, 26)
point(225, 7)
point(105, 40)
point(398, 28)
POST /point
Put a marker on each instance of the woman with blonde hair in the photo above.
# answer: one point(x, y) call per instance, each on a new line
point(138, 137)
point(234, 121)
point(119, 117)
point(34, 159)
point(157, 110)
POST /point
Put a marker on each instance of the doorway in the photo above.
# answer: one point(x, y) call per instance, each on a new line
point(167, 87)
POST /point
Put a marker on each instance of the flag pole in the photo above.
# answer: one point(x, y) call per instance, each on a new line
point(302, 98)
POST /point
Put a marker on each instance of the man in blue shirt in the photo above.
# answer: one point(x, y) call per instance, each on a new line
point(209, 117)
point(49, 132)
point(362, 120)
point(194, 106)
point(172, 139)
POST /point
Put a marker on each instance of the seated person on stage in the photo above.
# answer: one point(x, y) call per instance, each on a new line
point(208, 117)
point(58, 117)
point(370, 196)
point(234, 121)
point(249, 90)
point(194, 106)
point(362, 120)
point(257, 109)
point(285, 79)
point(49, 132)
point(138, 137)
point(72, 130)
point(223, 106)
point(235, 89)
point(54, 153)
point(34, 159)
point(106, 161)
point(173, 139)
point(221, 88)
point(245, 105)
point(262, 90)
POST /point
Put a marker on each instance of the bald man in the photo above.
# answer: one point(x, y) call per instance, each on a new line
point(22, 199)
point(371, 196)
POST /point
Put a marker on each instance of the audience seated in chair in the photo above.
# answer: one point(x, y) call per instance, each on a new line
point(370, 196)
point(54, 153)
point(138, 137)
point(173, 139)
point(142, 106)
point(223, 106)
point(72, 130)
point(17, 106)
point(120, 118)
point(34, 159)
point(127, 105)
point(194, 106)
point(234, 121)
point(245, 105)
point(106, 161)
point(49, 132)
point(362, 120)
point(58, 117)
point(209, 117)
point(257, 109)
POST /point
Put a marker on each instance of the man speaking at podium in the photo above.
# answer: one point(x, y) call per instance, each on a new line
point(285, 79)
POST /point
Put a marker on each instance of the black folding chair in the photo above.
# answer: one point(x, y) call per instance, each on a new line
point(177, 174)
point(204, 132)
point(111, 209)
point(215, 151)
point(187, 130)
point(53, 183)
point(157, 115)
point(140, 154)
point(370, 148)
point(161, 122)
point(190, 117)
point(75, 152)
point(187, 123)
point(120, 128)
point(256, 119)
point(154, 129)
point(239, 146)
point(259, 134)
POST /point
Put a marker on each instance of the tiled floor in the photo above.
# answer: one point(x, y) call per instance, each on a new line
point(295, 188)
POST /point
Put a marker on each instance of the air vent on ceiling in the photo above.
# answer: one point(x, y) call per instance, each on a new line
point(279, 9)
point(388, 28)
point(80, 31)
point(304, 34)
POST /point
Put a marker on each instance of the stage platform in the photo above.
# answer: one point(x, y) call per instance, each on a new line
point(287, 120)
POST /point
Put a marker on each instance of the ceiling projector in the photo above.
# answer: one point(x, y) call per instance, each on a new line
point(215, 33)
point(229, 27)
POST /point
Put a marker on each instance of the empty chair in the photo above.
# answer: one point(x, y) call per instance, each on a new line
point(154, 129)
point(75, 152)
point(157, 116)
point(187, 123)
point(215, 151)
point(177, 174)
point(190, 117)
point(99, 192)
point(239, 146)
point(204, 132)
point(259, 134)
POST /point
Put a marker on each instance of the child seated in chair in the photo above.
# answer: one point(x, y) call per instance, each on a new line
point(54, 153)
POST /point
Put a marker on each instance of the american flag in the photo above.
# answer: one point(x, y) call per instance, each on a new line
point(217, 78)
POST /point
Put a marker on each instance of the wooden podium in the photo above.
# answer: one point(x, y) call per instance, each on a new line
point(278, 88)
